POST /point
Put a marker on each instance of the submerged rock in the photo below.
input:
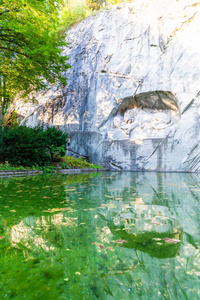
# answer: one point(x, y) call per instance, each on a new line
point(132, 99)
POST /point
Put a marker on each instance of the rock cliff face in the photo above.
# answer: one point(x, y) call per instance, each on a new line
point(132, 99)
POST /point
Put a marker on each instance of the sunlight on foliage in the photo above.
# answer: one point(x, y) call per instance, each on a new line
point(73, 12)
point(77, 10)
point(79, 163)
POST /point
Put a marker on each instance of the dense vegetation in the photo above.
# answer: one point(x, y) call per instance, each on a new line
point(30, 47)
point(76, 10)
point(77, 163)
point(26, 146)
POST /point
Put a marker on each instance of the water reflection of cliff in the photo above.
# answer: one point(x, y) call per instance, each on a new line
point(137, 207)
point(147, 228)
point(104, 234)
point(155, 202)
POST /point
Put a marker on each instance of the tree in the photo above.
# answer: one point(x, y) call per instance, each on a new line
point(30, 47)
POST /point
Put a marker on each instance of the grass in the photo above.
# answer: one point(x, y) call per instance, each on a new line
point(6, 166)
point(77, 163)
point(67, 162)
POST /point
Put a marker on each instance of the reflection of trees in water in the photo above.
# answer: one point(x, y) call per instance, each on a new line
point(142, 209)
point(29, 196)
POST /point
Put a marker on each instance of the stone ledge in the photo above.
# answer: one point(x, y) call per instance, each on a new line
point(17, 172)
point(67, 171)
point(5, 173)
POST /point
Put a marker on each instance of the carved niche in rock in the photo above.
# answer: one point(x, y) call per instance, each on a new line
point(147, 113)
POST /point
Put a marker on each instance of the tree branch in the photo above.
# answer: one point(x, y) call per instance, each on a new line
point(28, 56)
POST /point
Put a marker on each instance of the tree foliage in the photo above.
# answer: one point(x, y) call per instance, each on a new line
point(94, 4)
point(30, 46)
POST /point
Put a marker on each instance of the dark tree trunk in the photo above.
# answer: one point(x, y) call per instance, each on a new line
point(3, 98)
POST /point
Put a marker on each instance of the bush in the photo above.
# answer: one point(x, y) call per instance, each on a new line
point(2, 145)
point(56, 142)
point(26, 146)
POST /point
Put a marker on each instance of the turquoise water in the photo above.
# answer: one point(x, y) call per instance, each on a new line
point(100, 236)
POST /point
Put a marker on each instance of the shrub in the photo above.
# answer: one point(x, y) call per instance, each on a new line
point(56, 142)
point(26, 146)
point(2, 144)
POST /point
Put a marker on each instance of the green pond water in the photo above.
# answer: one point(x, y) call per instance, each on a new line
point(100, 236)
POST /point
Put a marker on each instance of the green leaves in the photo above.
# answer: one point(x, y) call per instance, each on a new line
point(31, 45)
point(26, 146)
point(56, 142)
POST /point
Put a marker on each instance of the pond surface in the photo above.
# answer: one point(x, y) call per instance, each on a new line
point(100, 236)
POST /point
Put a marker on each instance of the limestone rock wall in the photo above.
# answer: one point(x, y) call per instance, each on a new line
point(132, 99)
